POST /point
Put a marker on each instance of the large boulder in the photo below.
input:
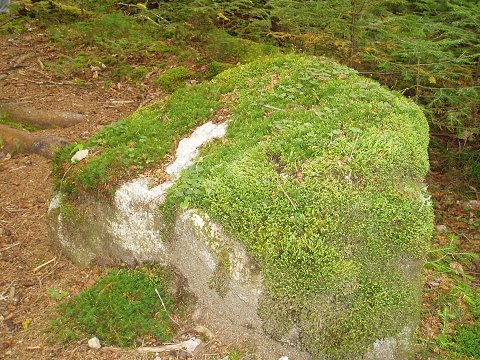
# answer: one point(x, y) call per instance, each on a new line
point(288, 192)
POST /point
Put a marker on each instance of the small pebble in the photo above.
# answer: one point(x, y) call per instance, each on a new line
point(79, 156)
point(191, 345)
point(441, 228)
point(94, 343)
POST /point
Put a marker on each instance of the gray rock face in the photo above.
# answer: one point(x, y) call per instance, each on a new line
point(223, 278)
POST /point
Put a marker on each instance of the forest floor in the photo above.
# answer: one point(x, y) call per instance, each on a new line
point(31, 267)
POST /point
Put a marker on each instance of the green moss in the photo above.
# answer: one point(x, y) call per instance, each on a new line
point(5, 120)
point(320, 177)
point(215, 68)
point(467, 340)
point(54, 12)
point(127, 71)
point(222, 46)
point(170, 79)
point(122, 309)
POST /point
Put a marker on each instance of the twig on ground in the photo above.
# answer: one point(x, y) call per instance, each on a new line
point(44, 264)
point(155, 349)
point(163, 304)
point(288, 197)
point(273, 107)
point(8, 288)
point(165, 308)
point(9, 247)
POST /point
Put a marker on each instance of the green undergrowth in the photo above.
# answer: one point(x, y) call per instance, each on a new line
point(320, 176)
point(215, 68)
point(469, 161)
point(221, 46)
point(122, 309)
point(127, 43)
point(170, 79)
point(464, 159)
point(458, 307)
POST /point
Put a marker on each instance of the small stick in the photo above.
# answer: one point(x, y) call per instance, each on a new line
point(165, 308)
point(274, 108)
point(8, 288)
point(44, 264)
point(163, 304)
point(288, 197)
point(174, 347)
point(9, 247)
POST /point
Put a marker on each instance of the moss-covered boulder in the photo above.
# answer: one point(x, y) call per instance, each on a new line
point(311, 209)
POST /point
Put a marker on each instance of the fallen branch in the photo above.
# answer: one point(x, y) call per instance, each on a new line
point(165, 308)
point(188, 346)
point(44, 119)
point(20, 141)
point(9, 247)
point(44, 264)
point(158, 349)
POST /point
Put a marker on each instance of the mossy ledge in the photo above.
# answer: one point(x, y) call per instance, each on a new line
point(320, 179)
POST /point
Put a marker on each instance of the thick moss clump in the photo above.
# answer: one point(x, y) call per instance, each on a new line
point(320, 176)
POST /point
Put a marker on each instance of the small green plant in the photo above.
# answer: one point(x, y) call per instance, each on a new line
point(122, 308)
point(469, 161)
point(57, 294)
point(170, 79)
point(459, 333)
point(467, 340)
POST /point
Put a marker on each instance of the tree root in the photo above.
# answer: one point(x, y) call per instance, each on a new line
point(14, 141)
point(43, 119)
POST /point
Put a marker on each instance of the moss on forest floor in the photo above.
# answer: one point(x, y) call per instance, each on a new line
point(123, 308)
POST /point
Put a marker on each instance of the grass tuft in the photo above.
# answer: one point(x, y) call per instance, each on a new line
point(122, 309)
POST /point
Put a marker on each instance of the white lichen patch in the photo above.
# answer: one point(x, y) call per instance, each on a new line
point(388, 348)
point(54, 203)
point(135, 203)
point(134, 221)
point(187, 149)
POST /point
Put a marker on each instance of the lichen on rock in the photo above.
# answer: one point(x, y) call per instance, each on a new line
point(319, 178)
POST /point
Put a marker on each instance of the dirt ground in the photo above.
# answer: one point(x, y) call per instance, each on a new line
point(30, 264)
